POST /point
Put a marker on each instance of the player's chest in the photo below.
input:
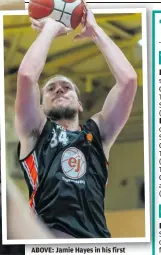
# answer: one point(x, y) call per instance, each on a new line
point(66, 151)
point(60, 137)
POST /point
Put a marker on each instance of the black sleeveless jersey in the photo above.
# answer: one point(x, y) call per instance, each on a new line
point(66, 176)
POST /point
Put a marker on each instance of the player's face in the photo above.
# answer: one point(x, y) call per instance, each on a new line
point(60, 94)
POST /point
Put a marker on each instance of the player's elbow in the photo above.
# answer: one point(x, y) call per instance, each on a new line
point(131, 79)
point(24, 77)
point(22, 74)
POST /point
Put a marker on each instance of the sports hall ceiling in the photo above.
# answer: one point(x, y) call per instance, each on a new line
point(81, 61)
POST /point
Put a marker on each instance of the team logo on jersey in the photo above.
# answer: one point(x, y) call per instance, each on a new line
point(73, 163)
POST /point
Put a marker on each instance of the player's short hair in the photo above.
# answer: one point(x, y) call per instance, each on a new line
point(58, 77)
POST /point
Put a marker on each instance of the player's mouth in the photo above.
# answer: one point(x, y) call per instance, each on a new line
point(59, 98)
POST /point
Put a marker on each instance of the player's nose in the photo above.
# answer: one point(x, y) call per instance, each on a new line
point(59, 90)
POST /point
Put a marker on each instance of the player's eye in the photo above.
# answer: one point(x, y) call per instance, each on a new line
point(68, 86)
point(50, 89)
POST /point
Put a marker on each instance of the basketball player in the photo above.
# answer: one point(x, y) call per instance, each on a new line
point(65, 164)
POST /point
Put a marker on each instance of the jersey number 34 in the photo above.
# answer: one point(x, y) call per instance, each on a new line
point(60, 138)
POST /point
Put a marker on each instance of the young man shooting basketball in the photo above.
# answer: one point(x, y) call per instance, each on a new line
point(65, 165)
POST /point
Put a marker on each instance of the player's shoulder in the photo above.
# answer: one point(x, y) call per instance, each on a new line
point(92, 126)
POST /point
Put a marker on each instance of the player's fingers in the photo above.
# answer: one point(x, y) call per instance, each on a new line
point(84, 18)
point(43, 20)
point(85, 4)
point(35, 22)
point(83, 22)
point(35, 28)
point(32, 20)
point(65, 31)
point(61, 34)
point(79, 36)
point(85, 10)
point(68, 30)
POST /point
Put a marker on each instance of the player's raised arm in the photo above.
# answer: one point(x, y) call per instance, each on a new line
point(29, 116)
point(118, 104)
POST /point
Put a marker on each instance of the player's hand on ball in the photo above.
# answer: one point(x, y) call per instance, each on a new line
point(88, 22)
point(38, 25)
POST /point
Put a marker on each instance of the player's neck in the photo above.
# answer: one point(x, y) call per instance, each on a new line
point(71, 125)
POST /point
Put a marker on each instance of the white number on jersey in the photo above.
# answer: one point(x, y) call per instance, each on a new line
point(63, 138)
point(54, 140)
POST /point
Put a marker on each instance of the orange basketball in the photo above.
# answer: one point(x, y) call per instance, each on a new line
point(68, 12)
